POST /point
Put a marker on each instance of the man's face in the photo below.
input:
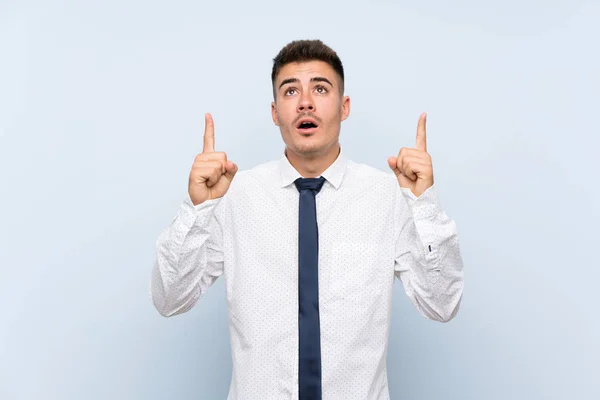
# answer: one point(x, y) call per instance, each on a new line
point(309, 107)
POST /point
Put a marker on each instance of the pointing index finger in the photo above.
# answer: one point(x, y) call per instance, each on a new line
point(209, 134)
point(421, 133)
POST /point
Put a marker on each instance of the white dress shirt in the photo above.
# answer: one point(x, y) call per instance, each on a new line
point(370, 230)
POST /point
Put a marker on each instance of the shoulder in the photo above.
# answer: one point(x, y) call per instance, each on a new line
point(259, 175)
point(246, 187)
point(368, 174)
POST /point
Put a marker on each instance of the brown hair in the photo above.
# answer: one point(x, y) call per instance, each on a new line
point(307, 50)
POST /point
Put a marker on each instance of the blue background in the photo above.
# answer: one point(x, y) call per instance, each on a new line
point(101, 115)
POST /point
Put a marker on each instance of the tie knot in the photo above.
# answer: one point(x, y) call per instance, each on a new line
point(309, 183)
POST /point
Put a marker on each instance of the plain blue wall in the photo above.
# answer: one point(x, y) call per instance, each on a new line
point(101, 115)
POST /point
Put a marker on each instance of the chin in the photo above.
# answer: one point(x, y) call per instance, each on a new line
point(307, 145)
point(310, 149)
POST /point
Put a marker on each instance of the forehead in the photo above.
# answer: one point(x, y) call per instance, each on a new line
point(306, 70)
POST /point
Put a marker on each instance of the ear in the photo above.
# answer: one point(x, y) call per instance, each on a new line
point(274, 113)
point(345, 107)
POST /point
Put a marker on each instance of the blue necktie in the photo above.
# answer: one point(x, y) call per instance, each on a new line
point(309, 368)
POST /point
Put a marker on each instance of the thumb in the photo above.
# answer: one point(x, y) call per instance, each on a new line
point(232, 169)
point(392, 164)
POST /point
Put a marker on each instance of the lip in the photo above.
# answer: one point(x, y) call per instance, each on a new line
point(307, 131)
point(307, 119)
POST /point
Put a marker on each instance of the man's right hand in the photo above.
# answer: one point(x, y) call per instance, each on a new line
point(211, 172)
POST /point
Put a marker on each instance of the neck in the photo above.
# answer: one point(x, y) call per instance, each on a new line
point(312, 167)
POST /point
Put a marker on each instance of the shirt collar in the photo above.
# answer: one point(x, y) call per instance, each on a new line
point(333, 174)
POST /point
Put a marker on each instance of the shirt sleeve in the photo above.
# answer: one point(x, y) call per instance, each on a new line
point(427, 254)
point(189, 258)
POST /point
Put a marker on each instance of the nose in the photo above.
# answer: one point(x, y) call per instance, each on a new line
point(305, 103)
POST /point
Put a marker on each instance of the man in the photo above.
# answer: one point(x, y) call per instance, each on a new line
point(309, 245)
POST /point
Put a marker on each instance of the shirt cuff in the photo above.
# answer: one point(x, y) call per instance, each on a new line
point(426, 205)
point(190, 213)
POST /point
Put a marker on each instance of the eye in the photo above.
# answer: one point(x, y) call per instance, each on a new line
point(288, 91)
point(321, 89)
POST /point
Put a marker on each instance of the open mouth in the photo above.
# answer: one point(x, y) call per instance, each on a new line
point(307, 126)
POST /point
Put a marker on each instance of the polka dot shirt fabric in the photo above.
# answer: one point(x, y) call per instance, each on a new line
point(370, 232)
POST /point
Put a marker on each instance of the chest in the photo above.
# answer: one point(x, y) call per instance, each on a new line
point(356, 243)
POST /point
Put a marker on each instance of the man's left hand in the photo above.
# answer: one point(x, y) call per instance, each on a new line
point(413, 167)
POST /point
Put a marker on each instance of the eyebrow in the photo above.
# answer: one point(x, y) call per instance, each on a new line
point(315, 79)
